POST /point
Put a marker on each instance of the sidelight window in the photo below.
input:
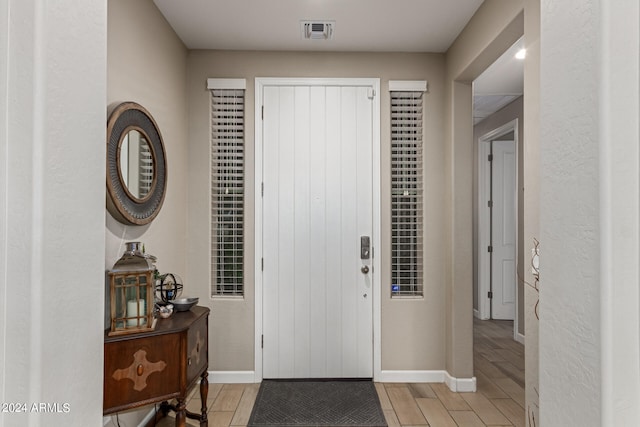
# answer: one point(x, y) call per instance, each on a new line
point(227, 187)
point(406, 189)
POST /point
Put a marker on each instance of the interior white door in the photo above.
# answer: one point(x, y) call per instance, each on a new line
point(503, 230)
point(317, 203)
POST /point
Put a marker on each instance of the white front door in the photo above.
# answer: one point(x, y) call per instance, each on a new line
point(316, 205)
point(503, 230)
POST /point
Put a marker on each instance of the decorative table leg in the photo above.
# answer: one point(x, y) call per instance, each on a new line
point(204, 392)
point(181, 412)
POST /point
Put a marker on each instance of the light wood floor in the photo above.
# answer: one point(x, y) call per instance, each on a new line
point(499, 369)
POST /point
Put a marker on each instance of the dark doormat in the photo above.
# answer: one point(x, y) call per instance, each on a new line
point(317, 403)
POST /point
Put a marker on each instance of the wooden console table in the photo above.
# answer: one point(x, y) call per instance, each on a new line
point(159, 365)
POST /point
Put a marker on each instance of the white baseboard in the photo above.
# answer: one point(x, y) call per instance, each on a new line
point(232, 377)
point(411, 377)
point(460, 385)
point(476, 313)
point(520, 338)
point(151, 415)
point(454, 384)
point(110, 420)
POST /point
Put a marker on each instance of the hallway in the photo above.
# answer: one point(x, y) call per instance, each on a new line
point(498, 362)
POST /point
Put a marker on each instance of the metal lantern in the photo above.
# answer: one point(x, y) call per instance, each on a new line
point(131, 290)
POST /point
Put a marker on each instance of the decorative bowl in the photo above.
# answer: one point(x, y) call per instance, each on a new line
point(184, 304)
point(165, 311)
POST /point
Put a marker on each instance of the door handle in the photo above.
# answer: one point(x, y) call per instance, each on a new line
point(364, 269)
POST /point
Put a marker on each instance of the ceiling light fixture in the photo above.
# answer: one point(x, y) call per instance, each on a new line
point(521, 54)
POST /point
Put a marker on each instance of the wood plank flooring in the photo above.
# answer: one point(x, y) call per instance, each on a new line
point(499, 369)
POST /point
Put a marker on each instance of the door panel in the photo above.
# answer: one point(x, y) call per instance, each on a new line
point(503, 258)
point(317, 173)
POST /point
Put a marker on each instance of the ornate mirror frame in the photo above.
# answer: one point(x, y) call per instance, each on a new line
point(122, 205)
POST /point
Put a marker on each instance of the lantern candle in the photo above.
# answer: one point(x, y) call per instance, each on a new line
point(136, 310)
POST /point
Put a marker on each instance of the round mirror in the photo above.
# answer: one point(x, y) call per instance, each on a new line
point(136, 165)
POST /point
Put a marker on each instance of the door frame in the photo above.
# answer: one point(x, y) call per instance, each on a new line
point(260, 83)
point(484, 219)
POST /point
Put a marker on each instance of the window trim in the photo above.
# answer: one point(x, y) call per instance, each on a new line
point(408, 85)
point(240, 84)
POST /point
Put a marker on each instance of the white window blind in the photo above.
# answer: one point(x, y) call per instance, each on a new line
point(406, 194)
point(227, 192)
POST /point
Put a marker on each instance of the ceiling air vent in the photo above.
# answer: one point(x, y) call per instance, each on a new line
point(317, 30)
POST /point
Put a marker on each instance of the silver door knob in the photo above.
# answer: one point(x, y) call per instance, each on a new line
point(364, 269)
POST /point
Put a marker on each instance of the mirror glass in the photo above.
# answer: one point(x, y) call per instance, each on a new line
point(136, 164)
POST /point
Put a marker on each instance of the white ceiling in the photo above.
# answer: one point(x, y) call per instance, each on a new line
point(503, 77)
point(360, 26)
point(499, 84)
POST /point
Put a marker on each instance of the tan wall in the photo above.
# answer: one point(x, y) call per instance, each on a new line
point(506, 114)
point(421, 344)
point(147, 64)
point(495, 27)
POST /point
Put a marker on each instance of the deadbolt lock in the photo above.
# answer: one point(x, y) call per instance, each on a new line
point(365, 247)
